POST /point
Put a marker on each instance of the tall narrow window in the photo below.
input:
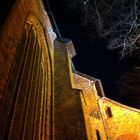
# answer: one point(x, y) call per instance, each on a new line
point(98, 135)
point(108, 112)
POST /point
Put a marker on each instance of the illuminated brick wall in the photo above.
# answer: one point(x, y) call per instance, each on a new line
point(121, 122)
point(68, 113)
point(26, 73)
point(89, 97)
point(105, 118)
point(41, 97)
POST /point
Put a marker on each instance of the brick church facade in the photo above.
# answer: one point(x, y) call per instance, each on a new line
point(42, 96)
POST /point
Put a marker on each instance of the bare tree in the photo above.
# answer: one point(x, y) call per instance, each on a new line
point(118, 21)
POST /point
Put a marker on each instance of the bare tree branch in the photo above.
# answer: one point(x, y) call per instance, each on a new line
point(119, 22)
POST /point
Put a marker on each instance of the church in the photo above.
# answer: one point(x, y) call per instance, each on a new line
point(42, 96)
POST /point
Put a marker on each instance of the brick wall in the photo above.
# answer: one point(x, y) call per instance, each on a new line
point(26, 73)
point(121, 122)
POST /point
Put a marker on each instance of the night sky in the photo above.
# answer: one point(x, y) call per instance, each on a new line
point(92, 56)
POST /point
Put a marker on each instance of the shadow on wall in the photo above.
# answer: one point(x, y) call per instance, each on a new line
point(5, 7)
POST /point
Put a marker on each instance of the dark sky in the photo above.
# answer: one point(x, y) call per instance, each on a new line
point(92, 56)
